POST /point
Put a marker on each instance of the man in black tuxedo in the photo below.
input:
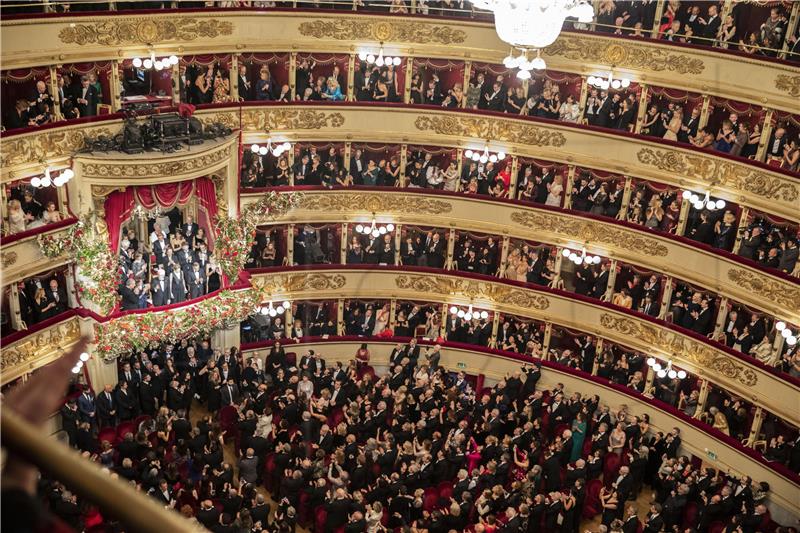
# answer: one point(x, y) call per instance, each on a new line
point(301, 170)
point(601, 282)
point(197, 281)
point(177, 285)
point(159, 289)
point(649, 307)
point(147, 396)
point(40, 96)
point(130, 300)
point(230, 393)
point(245, 85)
point(495, 99)
point(624, 484)
point(106, 407)
point(312, 364)
point(357, 166)
point(338, 509)
point(189, 228)
point(712, 24)
point(367, 324)
point(87, 98)
point(581, 194)
point(58, 297)
point(587, 352)
point(435, 251)
point(655, 522)
point(127, 406)
point(690, 124)
point(777, 142)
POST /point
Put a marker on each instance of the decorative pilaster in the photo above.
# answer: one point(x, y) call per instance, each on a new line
point(351, 75)
point(512, 185)
point(683, 218)
point(568, 187)
point(722, 313)
point(648, 381)
point(666, 297)
point(451, 249)
point(345, 241)
point(702, 399)
point(16, 314)
point(642, 111)
point(409, 75)
point(548, 334)
point(233, 75)
point(755, 427)
point(557, 266)
point(495, 328)
point(114, 80)
point(293, 74)
point(766, 133)
point(626, 198)
point(501, 271)
point(744, 215)
point(71, 289)
point(398, 239)
point(348, 153)
point(459, 165)
point(705, 111)
point(53, 89)
point(612, 280)
point(465, 82)
point(393, 314)
point(340, 317)
point(584, 96)
point(657, 20)
point(598, 350)
point(791, 28)
point(403, 163)
point(289, 245)
point(175, 80)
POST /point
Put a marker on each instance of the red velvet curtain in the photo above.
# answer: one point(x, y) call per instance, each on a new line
point(166, 196)
point(118, 208)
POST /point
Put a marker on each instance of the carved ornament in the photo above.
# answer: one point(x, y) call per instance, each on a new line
point(681, 347)
point(45, 145)
point(632, 56)
point(101, 191)
point(789, 84)
point(290, 283)
point(290, 119)
point(374, 203)
point(395, 31)
point(156, 169)
point(490, 128)
point(783, 294)
point(147, 31)
point(471, 289)
point(590, 232)
point(8, 258)
point(721, 173)
point(40, 344)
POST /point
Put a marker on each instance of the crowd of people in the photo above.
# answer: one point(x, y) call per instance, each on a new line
point(41, 298)
point(25, 212)
point(341, 448)
point(167, 267)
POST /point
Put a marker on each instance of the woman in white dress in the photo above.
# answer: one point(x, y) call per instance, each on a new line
point(674, 125)
point(451, 177)
point(373, 517)
point(381, 319)
point(554, 191)
point(16, 217)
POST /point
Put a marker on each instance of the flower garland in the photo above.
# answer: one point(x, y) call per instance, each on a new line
point(140, 331)
point(234, 236)
point(97, 268)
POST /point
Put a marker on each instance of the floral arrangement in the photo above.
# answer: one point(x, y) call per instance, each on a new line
point(135, 332)
point(97, 268)
point(234, 236)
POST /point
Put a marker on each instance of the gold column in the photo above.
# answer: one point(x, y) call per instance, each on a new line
point(403, 163)
point(791, 28)
point(495, 328)
point(465, 83)
point(548, 333)
point(612, 279)
point(351, 75)
point(657, 21)
point(727, 7)
point(409, 75)
point(233, 75)
point(504, 256)
point(648, 381)
point(293, 74)
point(744, 214)
point(72, 291)
point(584, 95)
point(451, 248)
point(598, 354)
point(443, 317)
point(702, 399)
point(343, 245)
point(512, 185)
point(16, 315)
point(290, 245)
point(175, 79)
point(340, 316)
point(54, 92)
point(568, 187)
point(288, 321)
point(116, 97)
point(722, 313)
point(393, 314)
point(777, 348)
point(683, 218)
point(398, 237)
point(459, 165)
point(557, 268)
point(755, 428)
point(666, 296)
point(705, 111)
point(640, 116)
point(626, 199)
point(348, 153)
point(766, 133)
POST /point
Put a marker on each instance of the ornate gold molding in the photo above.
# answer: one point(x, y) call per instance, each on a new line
point(147, 31)
point(490, 128)
point(290, 119)
point(629, 55)
point(8, 258)
point(704, 357)
point(156, 169)
point(374, 202)
point(788, 84)
point(471, 289)
point(400, 31)
point(783, 294)
point(48, 144)
point(719, 172)
point(289, 283)
point(587, 231)
point(101, 191)
point(38, 345)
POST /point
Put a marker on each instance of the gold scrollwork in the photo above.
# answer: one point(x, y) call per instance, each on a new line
point(374, 203)
point(680, 347)
point(471, 289)
point(8, 258)
point(45, 145)
point(490, 128)
point(290, 119)
point(585, 231)
point(145, 31)
point(383, 31)
point(785, 295)
point(152, 170)
point(40, 344)
point(633, 56)
point(789, 84)
point(290, 283)
point(721, 173)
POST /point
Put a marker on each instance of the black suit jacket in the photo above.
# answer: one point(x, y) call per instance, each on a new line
point(88, 109)
point(245, 89)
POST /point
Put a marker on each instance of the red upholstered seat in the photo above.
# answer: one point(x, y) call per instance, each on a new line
point(320, 516)
point(611, 465)
point(109, 434)
point(430, 501)
point(690, 515)
point(591, 505)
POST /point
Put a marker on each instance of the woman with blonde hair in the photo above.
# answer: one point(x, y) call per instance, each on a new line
point(554, 191)
point(51, 214)
point(654, 213)
point(16, 217)
point(222, 91)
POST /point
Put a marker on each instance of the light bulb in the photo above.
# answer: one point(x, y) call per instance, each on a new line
point(662, 373)
point(453, 310)
point(616, 84)
point(460, 313)
point(597, 259)
point(382, 230)
point(484, 159)
point(779, 325)
point(263, 150)
point(137, 62)
point(656, 367)
point(565, 252)
point(287, 145)
point(681, 374)
point(591, 80)
point(173, 59)
point(538, 63)
point(509, 61)
point(791, 341)
point(36, 182)
point(379, 61)
point(468, 154)
point(84, 356)
point(286, 304)
point(672, 374)
point(686, 194)
point(786, 333)
point(76, 370)
point(501, 156)
point(572, 256)
point(68, 174)
point(484, 315)
point(58, 181)
point(148, 63)
point(720, 204)
point(396, 61)
point(698, 205)
point(46, 181)
point(390, 227)
point(493, 158)
point(524, 75)
point(375, 233)
point(468, 317)
point(280, 310)
point(362, 56)
point(475, 156)
point(360, 228)
point(254, 148)
point(625, 83)
point(584, 13)
point(651, 361)
point(579, 260)
point(272, 312)
point(388, 61)
point(157, 64)
point(604, 85)
point(694, 198)
point(370, 58)
point(264, 311)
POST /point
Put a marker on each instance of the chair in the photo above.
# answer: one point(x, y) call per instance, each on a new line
point(126, 427)
point(611, 465)
point(109, 434)
point(139, 419)
point(320, 516)
point(690, 513)
point(430, 501)
point(591, 505)
point(445, 489)
point(291, 359)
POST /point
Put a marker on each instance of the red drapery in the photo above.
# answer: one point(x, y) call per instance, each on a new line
point(118, 207)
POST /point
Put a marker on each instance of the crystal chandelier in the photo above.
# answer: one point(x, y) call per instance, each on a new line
point(582, 258)
point(48, 180)
point(379, 60)
point(533, 24)
point(484, 157)
point(374, 229)
point(665, 371)
point(469, 314)
point(153, 62)
point(701, 203)
point(146, 214)
point(604, 83)
point(273, 311)
point(786, 333)
point(274, 149)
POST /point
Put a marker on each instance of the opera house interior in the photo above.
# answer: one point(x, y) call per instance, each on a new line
point(400, 266)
